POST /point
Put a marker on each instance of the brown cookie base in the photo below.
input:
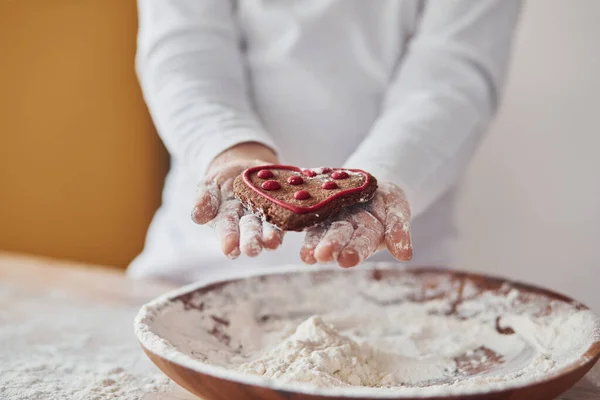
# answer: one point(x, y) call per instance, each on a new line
point(288, 220)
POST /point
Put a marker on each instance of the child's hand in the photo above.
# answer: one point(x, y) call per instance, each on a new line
point(215, 205)
point(361, 230)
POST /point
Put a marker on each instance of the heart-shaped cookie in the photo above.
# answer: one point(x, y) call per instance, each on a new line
point(294, 199)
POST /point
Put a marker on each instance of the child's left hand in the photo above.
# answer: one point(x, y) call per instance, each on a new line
point(362, 230)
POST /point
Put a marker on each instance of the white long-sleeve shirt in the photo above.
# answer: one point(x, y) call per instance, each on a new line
point(403, 89)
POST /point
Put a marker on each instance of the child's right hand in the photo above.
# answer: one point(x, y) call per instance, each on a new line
point(215, 205)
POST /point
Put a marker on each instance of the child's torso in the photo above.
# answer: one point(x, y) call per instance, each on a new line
point(319, 69)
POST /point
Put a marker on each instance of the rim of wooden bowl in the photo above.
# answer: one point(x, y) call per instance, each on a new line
point(167, 352)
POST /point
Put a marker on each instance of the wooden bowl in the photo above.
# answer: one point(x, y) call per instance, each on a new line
point(170, 327)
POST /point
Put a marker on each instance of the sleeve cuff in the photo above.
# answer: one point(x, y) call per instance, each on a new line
point(211, 148)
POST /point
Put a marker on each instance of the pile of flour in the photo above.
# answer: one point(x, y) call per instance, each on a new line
point(317, 354)
point(346, 331)
point(57, 347)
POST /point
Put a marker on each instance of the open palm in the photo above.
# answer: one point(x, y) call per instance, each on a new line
point(238, 230)
point(360, 231)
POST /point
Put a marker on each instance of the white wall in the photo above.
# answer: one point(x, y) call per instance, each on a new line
point(531, 209)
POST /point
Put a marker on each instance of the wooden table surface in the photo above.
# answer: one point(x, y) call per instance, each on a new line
point(108, 286)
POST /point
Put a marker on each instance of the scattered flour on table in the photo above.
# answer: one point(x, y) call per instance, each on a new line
point(57, 347)
point(348, 332)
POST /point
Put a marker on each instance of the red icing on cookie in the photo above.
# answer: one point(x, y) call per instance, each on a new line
point(338, 175)
point(325, 170)
point(295, 180)
point(302, 195)
point(309, 173)
point(265, 174)
point(329, 185)
point(297, 209)
point(270, 185)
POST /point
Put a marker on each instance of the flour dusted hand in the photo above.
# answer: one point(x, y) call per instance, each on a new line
point(215, 205)
point(360, 231)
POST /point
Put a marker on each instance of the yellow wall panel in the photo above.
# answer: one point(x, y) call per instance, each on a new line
point(81, 167)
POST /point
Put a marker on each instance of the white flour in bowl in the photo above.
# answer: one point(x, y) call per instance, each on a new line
point(347, 333)
point(319, 355)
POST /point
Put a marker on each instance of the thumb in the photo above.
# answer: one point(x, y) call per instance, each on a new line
point(397, 240)
point(207, 203)
point(397, 226)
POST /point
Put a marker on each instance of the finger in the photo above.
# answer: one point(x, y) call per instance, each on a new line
point(333, 241)
point(226, 188)
point(272, 236)
point(217, 188)
point(367, 236)
point(227, 227)
point(206, 206)
point(377, 207)
point(251, 243)
point(397, 239)
point(311, 240)
point(397, 226)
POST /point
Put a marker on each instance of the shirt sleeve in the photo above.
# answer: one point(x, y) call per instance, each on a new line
point(193, 78)
point(445, 91)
